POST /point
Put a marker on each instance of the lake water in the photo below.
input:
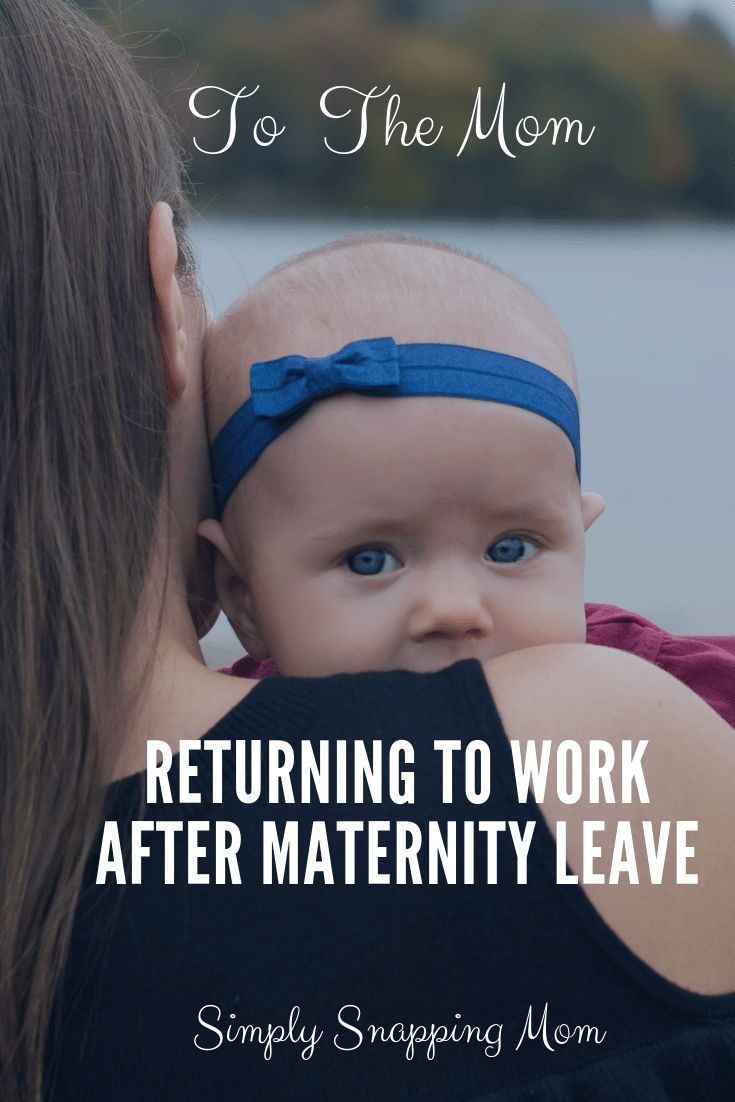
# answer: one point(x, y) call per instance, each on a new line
point(650, 311)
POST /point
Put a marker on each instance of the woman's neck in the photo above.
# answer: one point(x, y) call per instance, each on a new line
point(172, 694)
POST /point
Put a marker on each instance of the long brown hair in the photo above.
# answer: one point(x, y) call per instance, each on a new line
point(85, 153)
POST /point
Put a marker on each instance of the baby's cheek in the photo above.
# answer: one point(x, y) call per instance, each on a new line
point(318, 636)
point(554, 616)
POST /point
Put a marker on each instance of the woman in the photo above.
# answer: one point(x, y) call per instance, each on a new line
point(104, 477)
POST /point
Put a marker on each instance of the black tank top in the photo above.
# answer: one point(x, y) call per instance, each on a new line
point(172, 991)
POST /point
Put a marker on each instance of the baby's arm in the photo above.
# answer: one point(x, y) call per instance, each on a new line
point(706, 664)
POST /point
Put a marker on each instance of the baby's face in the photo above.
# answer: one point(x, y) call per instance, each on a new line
point(406, 533)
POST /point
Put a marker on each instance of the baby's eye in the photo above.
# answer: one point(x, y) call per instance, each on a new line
point(511, 549)
point(372, 560)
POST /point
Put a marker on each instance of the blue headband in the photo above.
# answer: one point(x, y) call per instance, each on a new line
point(282, 390)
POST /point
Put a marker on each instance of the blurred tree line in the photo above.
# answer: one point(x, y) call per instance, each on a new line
point(662, 102)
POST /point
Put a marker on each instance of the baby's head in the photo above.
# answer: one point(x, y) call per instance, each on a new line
point(392, 532)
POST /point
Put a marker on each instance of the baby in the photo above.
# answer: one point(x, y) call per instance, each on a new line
point(408, 501)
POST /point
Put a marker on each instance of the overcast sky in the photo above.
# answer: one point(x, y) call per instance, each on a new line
point(722, 10)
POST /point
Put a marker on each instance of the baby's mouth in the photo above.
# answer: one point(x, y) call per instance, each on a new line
point(438, 655)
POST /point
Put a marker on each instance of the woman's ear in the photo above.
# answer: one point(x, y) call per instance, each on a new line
point(233, 591)
point(163, 252)
point(593, 506)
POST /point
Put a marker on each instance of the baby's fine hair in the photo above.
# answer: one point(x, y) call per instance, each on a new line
point(378, 284)
point(370, 257)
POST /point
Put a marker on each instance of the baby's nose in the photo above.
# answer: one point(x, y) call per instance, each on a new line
point(451, 611)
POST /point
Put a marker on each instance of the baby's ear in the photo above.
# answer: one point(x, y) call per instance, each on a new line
point(593, 506)
point(233, 591)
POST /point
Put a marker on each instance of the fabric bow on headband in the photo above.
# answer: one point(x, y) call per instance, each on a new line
point(282, 390)
point(281, 387)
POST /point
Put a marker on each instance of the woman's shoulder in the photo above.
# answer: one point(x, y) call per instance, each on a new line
point(475, 946)
point(580, 693)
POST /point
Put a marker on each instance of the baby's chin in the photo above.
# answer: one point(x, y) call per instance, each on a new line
point(433, 663)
